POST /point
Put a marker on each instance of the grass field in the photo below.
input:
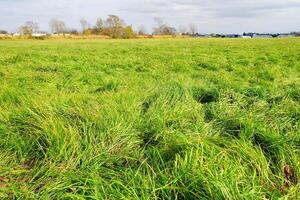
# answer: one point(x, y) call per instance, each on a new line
point(150, 119)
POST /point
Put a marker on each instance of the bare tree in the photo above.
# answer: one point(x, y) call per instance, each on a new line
point(141, 30)
point(29, 27)
point(182, 29)
point(57, 26)
point(163, 28)
point(34, 26)
point(25, 30)
point(193, 29)
point(114, 26)
point(158, 21)
point(99, 24)
point(84, 24)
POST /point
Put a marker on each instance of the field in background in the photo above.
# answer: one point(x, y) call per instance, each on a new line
point(150, 119)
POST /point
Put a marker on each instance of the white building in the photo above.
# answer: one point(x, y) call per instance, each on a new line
point(39, 35)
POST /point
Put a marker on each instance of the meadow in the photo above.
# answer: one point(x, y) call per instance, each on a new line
point(150, 119)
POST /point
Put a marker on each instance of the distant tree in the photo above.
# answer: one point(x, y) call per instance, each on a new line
point(99, 24)
point(168, 30)
point(84, 24)
point(25, 30)
point(163, 28)
point(193, 29)
point(57, 26)
point(128, 32)
point(141, 30)
point(114, 26)
point(159, 21)
point(90, 31)
point(73, 31)
point(29, 27)
point(34, 26)
point(3, 32)
point(159, 26)
point(182, 29)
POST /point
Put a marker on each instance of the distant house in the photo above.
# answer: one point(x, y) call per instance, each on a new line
point(295, 34)
point(60, 34)
point(285, 35)
point(246, 37)
point(259, 35)
point(201, 35)
point(214, 35)
point(249, 35)
point(262, 36)
point(41, 34)
point(57, 34)
point(232, 36)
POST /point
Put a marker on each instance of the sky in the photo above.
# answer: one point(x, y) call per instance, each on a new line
point(210, 16)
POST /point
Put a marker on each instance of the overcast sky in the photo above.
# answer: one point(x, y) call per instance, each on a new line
point(219, 16)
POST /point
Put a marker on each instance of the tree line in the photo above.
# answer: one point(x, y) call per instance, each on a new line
point(113, 26)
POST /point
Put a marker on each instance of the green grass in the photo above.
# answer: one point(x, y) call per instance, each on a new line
point(150, 119)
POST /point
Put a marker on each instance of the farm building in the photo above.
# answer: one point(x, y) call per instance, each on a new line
point(262, 36)
point(285, 35)
point(41, 34)
point(60, 34)
point(232, 36)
